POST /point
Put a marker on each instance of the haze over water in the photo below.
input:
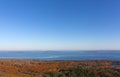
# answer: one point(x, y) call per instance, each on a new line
point(64, 55)
point(60, 25)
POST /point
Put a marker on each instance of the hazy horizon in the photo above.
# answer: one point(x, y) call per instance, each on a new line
point(53, 50)
point(59, 25)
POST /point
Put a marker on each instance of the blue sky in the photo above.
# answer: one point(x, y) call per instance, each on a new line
point(59, 24)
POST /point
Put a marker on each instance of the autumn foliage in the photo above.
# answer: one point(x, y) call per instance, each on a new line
point(37, 68)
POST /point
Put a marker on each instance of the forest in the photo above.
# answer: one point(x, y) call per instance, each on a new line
point(38, 68)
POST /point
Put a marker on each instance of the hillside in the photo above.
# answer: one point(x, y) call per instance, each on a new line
point(37, 68)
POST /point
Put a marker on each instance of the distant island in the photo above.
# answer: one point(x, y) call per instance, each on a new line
point(59, 68)
point(59, 38)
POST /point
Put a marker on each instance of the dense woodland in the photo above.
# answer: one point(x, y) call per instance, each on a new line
point(37, 68)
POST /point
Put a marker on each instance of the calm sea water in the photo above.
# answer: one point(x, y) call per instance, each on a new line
point(64, 55)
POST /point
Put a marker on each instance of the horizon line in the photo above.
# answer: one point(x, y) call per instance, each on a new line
point(60, 50)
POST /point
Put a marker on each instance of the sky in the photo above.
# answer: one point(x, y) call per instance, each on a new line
point(59, 24)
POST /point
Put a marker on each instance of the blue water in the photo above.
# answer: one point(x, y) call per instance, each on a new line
point(63, 55)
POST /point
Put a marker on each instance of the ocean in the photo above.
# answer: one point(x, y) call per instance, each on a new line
point(63, 55)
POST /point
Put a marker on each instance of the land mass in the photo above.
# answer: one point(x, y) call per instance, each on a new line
point(38, 68)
